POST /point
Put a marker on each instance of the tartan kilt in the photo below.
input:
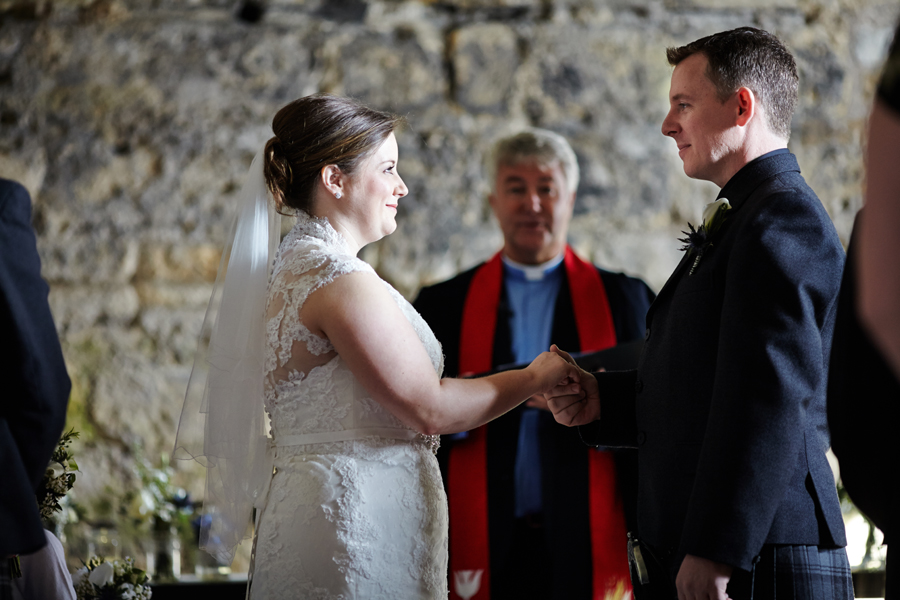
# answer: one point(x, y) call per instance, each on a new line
point(795, 573)
point(778, 573)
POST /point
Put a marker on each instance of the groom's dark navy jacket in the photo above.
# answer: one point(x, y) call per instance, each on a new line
point(727, 405)
point(32, 373)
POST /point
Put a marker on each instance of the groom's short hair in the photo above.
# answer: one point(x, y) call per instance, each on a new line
point(751, 58)
point(532, 145)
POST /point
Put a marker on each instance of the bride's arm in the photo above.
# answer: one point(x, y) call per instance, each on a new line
point(367, 328)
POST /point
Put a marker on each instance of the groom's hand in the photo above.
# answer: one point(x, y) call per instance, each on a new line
point(574, 409)
point(702, 579)
point(537, 401)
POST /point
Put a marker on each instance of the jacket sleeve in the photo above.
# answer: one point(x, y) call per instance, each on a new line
point(617, 426)
point(33, 372)
point(768, 397)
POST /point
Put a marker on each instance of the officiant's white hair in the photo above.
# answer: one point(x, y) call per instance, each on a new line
point(532, 145)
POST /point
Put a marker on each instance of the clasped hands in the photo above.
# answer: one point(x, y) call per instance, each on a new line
point(698, 578)
point(578, 408)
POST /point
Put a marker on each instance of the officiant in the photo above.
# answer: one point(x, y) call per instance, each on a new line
point(533, 512)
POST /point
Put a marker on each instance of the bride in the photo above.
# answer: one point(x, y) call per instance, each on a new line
point(347, 372)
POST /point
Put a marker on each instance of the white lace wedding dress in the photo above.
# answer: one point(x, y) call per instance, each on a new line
point(356, 508)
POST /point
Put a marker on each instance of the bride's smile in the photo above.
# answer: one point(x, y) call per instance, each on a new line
point(373, 192)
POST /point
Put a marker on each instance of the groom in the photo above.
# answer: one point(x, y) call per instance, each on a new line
point(727, 405)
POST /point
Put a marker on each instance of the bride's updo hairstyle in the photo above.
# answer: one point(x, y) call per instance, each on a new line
point(315, 131)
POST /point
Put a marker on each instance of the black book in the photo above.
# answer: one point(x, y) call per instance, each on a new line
point(620, 357)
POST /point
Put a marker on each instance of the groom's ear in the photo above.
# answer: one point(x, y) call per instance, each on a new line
point(746, 106)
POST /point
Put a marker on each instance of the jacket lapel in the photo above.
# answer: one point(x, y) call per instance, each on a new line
point(669, 287)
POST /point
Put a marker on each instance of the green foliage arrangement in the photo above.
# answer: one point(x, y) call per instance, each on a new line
point(58, 478)
point(100, 579)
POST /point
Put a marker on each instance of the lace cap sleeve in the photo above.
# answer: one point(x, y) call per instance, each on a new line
point(305, 263)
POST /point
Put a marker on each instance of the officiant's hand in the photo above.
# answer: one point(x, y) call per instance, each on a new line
point(574, 408)
point(702, 579)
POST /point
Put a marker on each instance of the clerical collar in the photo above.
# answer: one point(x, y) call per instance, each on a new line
point(534, 272)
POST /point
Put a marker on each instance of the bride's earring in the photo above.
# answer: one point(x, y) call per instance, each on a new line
point(337, 195)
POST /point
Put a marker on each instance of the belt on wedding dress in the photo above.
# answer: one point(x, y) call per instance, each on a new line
point(430, 441)
point(346, 435)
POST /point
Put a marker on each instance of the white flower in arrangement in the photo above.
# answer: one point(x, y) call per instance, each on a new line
point(60, 486)
point(102, 575)
point(55, 469)
point(148, 502)
point(116, 580)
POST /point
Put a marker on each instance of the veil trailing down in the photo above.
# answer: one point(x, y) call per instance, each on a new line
point(223, 422)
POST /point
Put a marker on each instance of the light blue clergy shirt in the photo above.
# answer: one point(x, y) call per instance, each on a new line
point(531, 291)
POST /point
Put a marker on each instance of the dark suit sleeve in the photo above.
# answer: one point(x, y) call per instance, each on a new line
point(617, 426)
point(629, 300)
point(32, 413)
point(770, 375)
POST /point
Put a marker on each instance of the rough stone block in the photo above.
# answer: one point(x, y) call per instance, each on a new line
point(484, 60)
point(79, 308)
point(393, 71)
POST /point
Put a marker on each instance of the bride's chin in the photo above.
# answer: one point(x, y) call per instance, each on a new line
point(379, 235)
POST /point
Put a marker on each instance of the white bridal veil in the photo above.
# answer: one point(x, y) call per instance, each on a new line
point(223, 424)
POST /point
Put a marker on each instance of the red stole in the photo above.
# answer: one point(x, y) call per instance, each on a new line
point(467, 468)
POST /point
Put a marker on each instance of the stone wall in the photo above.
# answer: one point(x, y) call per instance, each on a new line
point(132, 123)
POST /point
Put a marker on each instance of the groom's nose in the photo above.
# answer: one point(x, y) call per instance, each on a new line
point(669, 125)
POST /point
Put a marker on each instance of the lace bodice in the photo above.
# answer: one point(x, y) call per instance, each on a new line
point(356, 509)
point(327, 398)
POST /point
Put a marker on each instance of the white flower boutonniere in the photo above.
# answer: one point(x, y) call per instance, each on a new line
point(699, 240)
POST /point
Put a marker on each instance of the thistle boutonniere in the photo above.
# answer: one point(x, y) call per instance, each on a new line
point(699, 240)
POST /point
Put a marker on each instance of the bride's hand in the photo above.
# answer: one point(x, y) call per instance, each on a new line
point(577, 408)
point(552, 371)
